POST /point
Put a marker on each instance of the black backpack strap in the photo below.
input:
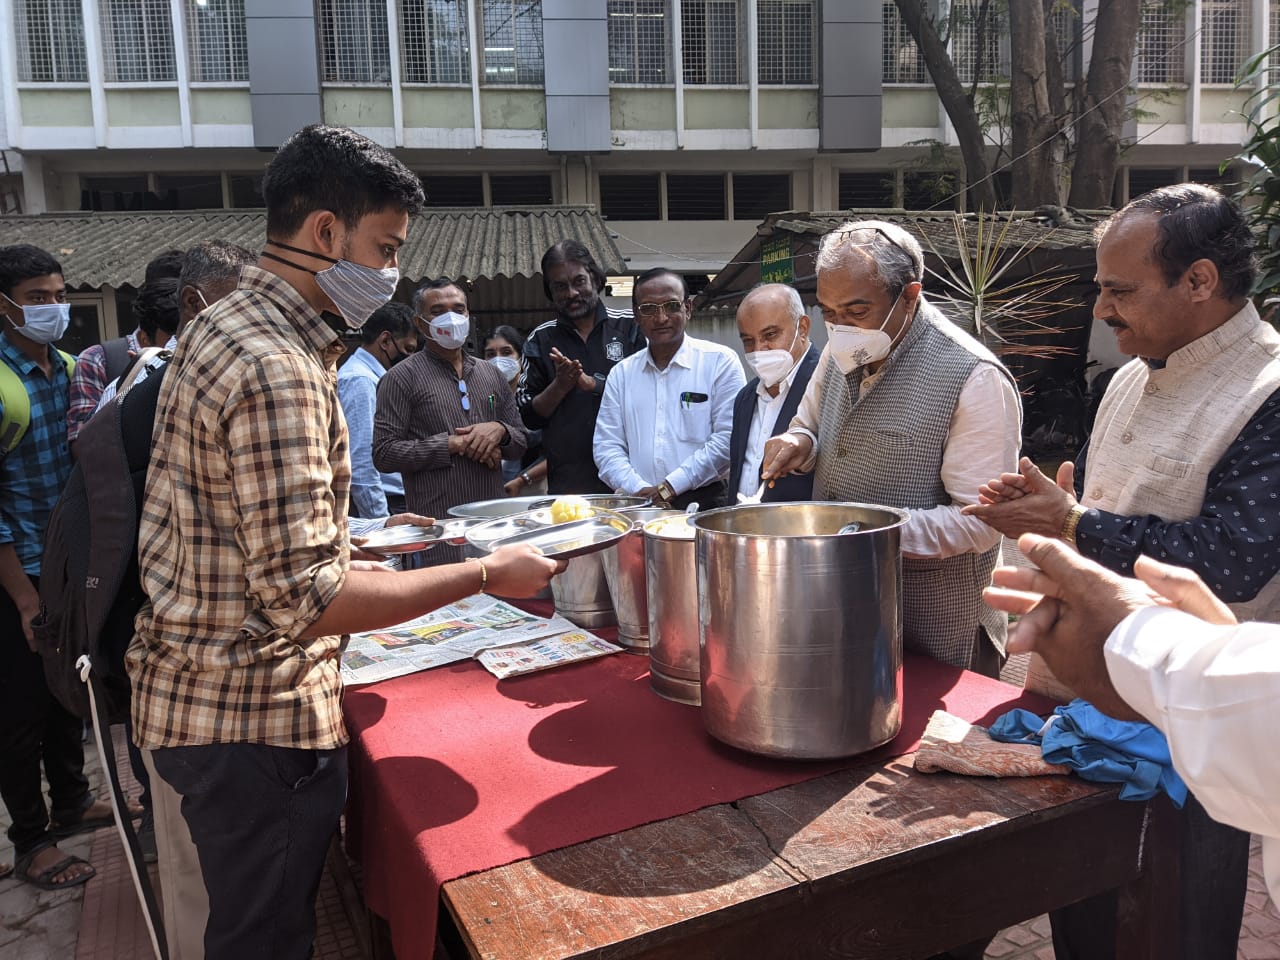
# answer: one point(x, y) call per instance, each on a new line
point(116, 357)
point(120, 806)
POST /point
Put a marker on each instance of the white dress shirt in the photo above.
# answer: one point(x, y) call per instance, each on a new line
point(762, 423)
point(982, 442)
point(654, 424)
point(1214, 691)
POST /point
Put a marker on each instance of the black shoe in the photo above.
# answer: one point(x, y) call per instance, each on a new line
point(147, 838)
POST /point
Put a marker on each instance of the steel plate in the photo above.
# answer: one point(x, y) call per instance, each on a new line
point(405, 538)
point(575, 538)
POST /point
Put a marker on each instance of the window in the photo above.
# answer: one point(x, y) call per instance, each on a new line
point(353, 41)
point(512, 41)
point(216, 41)
point(193, 191)
point(445, 190)
point(520, 189)
point(871, 188)
point(137, 41)
point(114, 193)
point(1162, 32)
point(50, 38)
point(631, 196)
point(696, 196)
point(709, 37)
point(433, 38)
point(1064, 20)
point(1144, 180)
point(785, 41)
point(1224, 39)
point(637, 41)
point(246, 190)
point(1273, 39)
point(902, 60)
point(975, 46)
point(929, 190)
point(756, 195)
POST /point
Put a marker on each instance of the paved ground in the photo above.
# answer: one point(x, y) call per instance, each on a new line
point(101, 920)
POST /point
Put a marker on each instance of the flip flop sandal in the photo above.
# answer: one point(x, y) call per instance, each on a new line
point(63, 829)
point(44, 879)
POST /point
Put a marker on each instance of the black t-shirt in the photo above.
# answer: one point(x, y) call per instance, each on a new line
point(568, 433)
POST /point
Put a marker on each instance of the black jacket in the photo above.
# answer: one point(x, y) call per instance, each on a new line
point(798, 487)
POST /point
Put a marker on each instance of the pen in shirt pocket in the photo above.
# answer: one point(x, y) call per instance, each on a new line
point(491, 413)
point(688, 399)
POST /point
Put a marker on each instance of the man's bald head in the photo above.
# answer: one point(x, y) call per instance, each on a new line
point(770, 316)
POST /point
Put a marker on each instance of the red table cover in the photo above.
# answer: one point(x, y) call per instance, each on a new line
point(454, 772)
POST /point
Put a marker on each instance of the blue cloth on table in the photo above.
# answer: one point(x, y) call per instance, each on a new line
point(1098, 748)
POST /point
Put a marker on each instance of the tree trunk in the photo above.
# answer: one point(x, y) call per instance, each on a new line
point(1101, 111)
point(1031, 116)
point(955, 101)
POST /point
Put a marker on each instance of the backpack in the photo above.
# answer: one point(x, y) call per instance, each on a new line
point(116, 357)
point(15, 404)
point(90, 587)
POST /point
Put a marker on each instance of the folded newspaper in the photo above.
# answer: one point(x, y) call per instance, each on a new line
point(534, 655)
point(460, 631)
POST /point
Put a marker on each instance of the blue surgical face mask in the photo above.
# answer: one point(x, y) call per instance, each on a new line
point(356, 290)
point(42, 322)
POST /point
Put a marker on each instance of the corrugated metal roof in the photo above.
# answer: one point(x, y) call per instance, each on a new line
point(99, 249)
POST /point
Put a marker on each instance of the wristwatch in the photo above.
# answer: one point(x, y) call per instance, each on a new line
point(528, 481)
point(665, 493)
point(1068, 531)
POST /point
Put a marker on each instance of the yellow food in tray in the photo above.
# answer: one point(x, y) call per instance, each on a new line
point(565, 509)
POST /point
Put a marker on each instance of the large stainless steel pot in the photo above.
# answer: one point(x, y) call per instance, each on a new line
point(800, 628)
point(581, 593)
point(672, 586)
point(624, 572)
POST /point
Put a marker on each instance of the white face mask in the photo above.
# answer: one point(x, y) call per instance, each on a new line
point(509, 367)
point(43, 322)
point(449, 329)
point(772, 366)
point(854, 347)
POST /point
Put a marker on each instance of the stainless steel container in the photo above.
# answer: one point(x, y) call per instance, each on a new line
point(581, 593)
point(800, 628)
point(625, 574)
point(672, 589)
point(503, 507)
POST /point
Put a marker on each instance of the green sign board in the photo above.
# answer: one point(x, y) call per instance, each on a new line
point(775, 260)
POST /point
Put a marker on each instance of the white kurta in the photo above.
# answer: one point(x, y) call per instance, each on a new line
point(1214, 691)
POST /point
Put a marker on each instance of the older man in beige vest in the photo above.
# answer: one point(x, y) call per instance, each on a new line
point(1182, 466)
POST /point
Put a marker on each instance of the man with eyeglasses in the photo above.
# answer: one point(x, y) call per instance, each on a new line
point(664, 424)
point(445, 420)
point(907, 410)
point(566, 363)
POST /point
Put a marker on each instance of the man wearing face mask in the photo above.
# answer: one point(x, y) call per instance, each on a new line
point(35, 730)
point(245, 555)
point(907, 410)
point(775, 340)
point(446, 420)
point(385, 340)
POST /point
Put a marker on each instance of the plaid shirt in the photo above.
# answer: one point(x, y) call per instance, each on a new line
point(89, 381)
point(33, 473)
point(243, 539)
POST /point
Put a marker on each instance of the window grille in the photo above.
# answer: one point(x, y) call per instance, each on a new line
point(696, 196)
point(929, 190)
point(453, 190)
point(631, 196)
point(637, 41)
point(1064, 20)
point(434, 43)
point(1145, 179)
point(975, 48)
point(756, 195)
point(520, 189)
point(902, 61)
point(512, 41)
point(50, 40)
point(1273, 40)
point(137, 41)
point(1224, 39)
point(1162, 34)
point(353, 41)
point(860, 189)
point(709, 32)
point(216, 43)
point(785, 44)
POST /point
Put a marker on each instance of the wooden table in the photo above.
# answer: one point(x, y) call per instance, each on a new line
point(873, 862)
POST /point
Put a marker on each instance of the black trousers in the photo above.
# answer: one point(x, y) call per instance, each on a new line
point(35, 730)
point(261, 818)
point(1214, 866)
point(707, 498)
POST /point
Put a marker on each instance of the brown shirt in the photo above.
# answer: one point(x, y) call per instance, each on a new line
point(243, 537)
point(419, 407)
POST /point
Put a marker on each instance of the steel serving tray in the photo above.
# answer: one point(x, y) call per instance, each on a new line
point(575, 538)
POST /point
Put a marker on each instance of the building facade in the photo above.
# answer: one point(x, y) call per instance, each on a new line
point(684, 122)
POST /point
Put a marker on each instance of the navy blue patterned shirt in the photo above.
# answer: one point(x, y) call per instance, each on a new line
point(33, 473)
point(1233, 544)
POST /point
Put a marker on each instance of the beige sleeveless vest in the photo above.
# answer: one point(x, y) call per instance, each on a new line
point(1160, 432)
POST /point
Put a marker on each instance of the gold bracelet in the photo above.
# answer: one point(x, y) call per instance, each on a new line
point(484, 573)
point(1068, 531)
